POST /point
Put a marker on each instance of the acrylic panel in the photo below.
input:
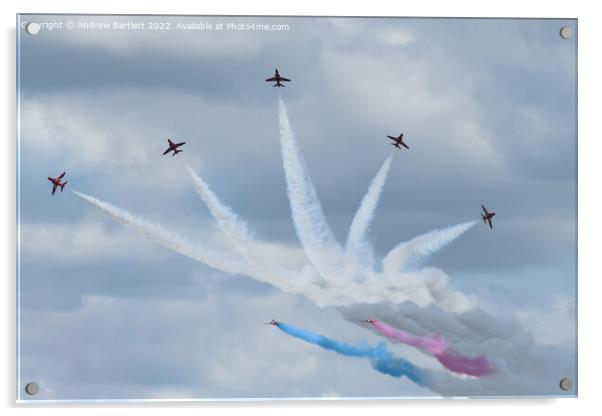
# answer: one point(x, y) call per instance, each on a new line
point(231, 207)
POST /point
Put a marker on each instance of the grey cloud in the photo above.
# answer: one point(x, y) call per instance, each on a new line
point(219, 355)
point(523, 366)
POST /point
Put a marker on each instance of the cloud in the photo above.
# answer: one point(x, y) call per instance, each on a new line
point(402, 98)
point(87, 240)
point(393, 37)
point(485, 112)
point(550, 319)
point(156, 359)
point(353, 30)
point(424, 295)
point(523, 366)
point(117, 137)
point(69, 127)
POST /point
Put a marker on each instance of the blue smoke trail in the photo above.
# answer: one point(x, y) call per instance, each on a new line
point(381, 359)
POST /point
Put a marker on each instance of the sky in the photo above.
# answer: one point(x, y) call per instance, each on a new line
point(487, 107)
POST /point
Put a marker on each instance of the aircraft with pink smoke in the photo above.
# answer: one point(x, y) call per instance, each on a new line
point(173, 147)
point(487, 216)
point(278, 79)
point(56, 182)
point(398, 141)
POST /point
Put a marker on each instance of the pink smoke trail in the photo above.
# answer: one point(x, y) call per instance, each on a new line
point(439, 347)
point(473, 366)
point(433, 345)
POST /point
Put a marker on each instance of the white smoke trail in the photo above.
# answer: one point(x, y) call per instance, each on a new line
point(238, 232)
point(426, 287)
point(226, 218)
point(358, 246)
point(331, 278)
point(167, 238)
point(412, 252)
point(287, 280)
point(315, 235)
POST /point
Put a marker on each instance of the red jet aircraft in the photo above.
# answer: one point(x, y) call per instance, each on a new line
point(56, 182)
point(278, 80)
point(398, 141)
point(487, 216)
point(273, 322)
point(173, 147)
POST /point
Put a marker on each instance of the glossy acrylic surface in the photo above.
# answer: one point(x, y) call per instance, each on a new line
point(379, 270)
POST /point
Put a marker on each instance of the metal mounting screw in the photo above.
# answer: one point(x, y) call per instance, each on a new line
point(32, 389)
point(566, 384)
point(566, 32)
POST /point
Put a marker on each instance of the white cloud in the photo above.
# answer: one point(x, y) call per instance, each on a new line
point(551, 321)
point(394, 37)
point(401, 97)
point(89, 131)
point(117, 138)
point(354, 29)
point(87, 240)
point(92, 238)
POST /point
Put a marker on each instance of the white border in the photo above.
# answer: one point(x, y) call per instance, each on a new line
point(589, 199)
